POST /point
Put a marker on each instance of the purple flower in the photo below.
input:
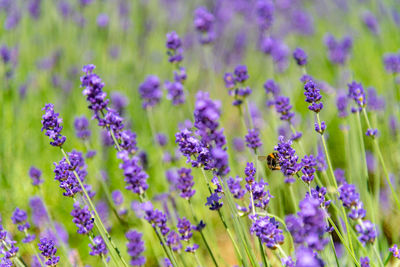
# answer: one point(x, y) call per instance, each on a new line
point(339, 175)
point(392, 62)
point(241, 74)
point(167, 263)
point(180, 75)
point(351, 200)
point(261, 196)
point(81, 125)
point(338, 50)
point(305, 257)
point(372, 133)
point(135, 248)
point(102, 20)
point(135, 176)
point(5, 54)
point(52, 124)
point(278, 50)
point(229, 80)
point(161, 139)
point(192, 249)
point(265, 14)
point(127, 140)
point(119, 102)
point(313, 96)
point(282, 106)
point(39, 213)
point(235, 187)
point(83, 219)
point(300, 56)
point(48, 250)
point(203, 22)
point(207, 112)
point(238, 144)
point(185, 183)
point(366, 231)
point(173, 45)
point(20, 218)
point(117, 197)
point(267, 230)
point(93, 89)
point(271, 87)
point(8, 247)
point(156, 218)
point(320, 128)
point(309, 226)
point(287, 157)
point(252, 139)
point(250, 172)
point(35, 175)
point(357, 93)
point(371, 22)
point(175, 92)
point(150, 91)
point(173, 241)
point(395, 251)
point(188, 145)
point(321, 162)
point(364, 262)
point(308, 164)
point(319, 194)
point(214, 201)
point(375, 102)
point(64, 173)
point(98, 247)
point(341, 104)
point(185, 229)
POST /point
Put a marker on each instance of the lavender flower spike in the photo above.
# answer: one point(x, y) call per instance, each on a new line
point(52, 124)
point(48, 250)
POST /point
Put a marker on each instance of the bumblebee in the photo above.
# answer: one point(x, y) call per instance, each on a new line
point(272, 161)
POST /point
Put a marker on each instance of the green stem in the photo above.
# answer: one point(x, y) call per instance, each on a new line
point(202, 235)
point(197, 259)
point(327, 155)
point(377, 255)
point(387, 259)
point(263, 256)
point(114, 252)
point(343, 242)
point(333, 248)
point(378, 150)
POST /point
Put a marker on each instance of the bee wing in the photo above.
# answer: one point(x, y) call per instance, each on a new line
point(262, 158)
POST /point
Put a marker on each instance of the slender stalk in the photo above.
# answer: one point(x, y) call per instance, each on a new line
point(231, 236)
point(167, 252)
point(197, 259)
point(202, 235)
point(114, 252)
point(327, 155)
point(343, 242)
point(387, 259)
point(382, 161)
point(223, 222)
point(292, 198)
point(377, 255)
point(333, 248)
point(263, 256)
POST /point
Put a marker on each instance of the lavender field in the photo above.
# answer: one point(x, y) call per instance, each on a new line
point(200, 133)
